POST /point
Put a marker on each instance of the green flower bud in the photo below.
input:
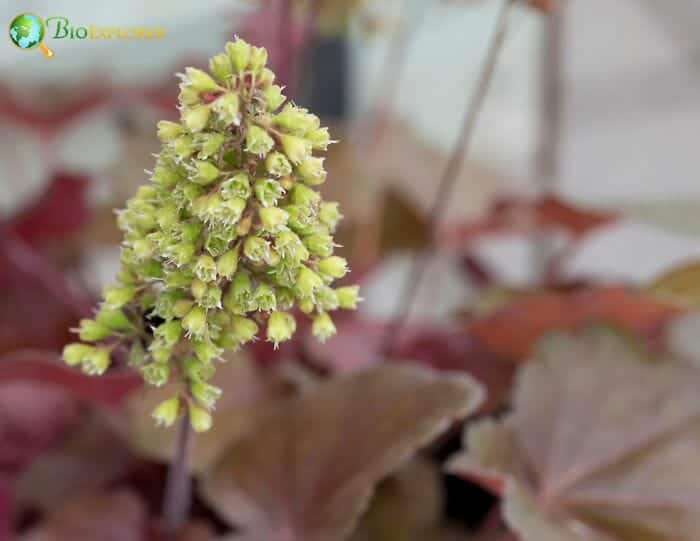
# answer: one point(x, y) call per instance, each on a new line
point(227, 108)
point(296, 120)
point(190, 192)
point(319, 244)
point(285, 298)
point(74, 354)
point(178, 278)
point(334, 266)
point(280, 327)
point(258, 141)
point(266, 77)
point(326, 299)
point(323, 327)
point(166, 412)
point(168, 131)
point(206, 172)
point(228, 263)
point(206, 351)
point(205, 393)
point(296, 148)
point(182, 254)
point(273, 97)
point(348, 297)
point(329, 214)
point(205, 268)
point(278, 165)
point(238, 186)
point(268, 191)
point(91, 331)
point(239, 53)
point(199, 81)
point(195, 322)
point(167, 216)
point(273, 219)
point(306, 306)
point(319, 139)
point(137, 354)
point(307, 283)
point(165, 176)
point(239, 294)
point(220, 66)
point(200, 420)
point(113, 319)
point(196, 118)
point(96, 362)
point(211, 297)
point(304, 196)
point(156, 374)
point(183, 146)
point(302, 219)
point(289, 245)
point(243, 328)
point(264, 298)
point(142, 249)
point(198, 288)
point(256, 249)
point(195, 369)
point(169, 332)
point(311, 171)
point(188, 96)
point(258, 58)
point(209, 143)
point(181, 307)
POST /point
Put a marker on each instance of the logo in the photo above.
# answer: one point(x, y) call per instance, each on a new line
point(27, 31)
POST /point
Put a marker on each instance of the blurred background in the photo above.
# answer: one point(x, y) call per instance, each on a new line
point(581, 175)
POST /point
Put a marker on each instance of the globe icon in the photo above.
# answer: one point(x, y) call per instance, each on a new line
point(26, 30)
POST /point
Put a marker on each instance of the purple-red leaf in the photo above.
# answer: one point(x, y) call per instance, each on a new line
point(308, 471)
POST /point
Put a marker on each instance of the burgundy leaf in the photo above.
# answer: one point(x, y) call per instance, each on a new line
point(307, 472)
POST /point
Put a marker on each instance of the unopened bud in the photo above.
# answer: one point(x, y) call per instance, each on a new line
point(268, 191)
point(319, 139)
point(74, 354)
point(243, 328)
point(311, 171)
point(323, 327)
point(91, 331)
point(205, 393)
point(237, 186)
point(168, 332)
point(227, 107)
point(199, 81)
point(239, 53)
point(256, 249)
point(220, 66)
point(333, 266)
point(228, 263)
point(296, 148)
point(168, 131)
point(319, 244)
point(264, 298)
point(280, 327)
point(304, 196)
point(205, 268)
point(348, 297)
point(200, 419)
point(196, 118)
point(278, 165)
point(307, 283)
point(205, 350)
point(258, 58)
point(329, 214)
point(114, 319)
point(206, 172)
point(273, 97)
point(166, 412)
point(195, 322)
point(96, 361)
point(273, 219)
point(258, 141)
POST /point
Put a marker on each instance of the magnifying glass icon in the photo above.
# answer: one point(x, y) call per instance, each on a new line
point(27, 32)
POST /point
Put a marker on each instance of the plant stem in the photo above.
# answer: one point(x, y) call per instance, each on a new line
point(450, 175)
point(550, 128)
point(178, 486)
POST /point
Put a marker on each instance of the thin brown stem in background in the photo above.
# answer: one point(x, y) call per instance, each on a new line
point(178, 485)
point(450, 175)
point(547, 158)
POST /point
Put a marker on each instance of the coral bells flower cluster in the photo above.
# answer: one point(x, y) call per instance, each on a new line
point(229, 236)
